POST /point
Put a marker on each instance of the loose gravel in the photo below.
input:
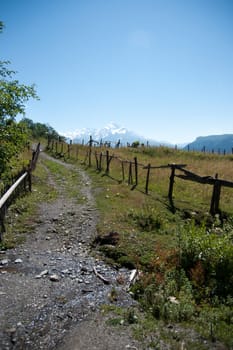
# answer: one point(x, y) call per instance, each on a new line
point(50, 286)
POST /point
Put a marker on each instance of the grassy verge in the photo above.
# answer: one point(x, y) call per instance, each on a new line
point(22, 214)
point(185, 256)
point(66, 178)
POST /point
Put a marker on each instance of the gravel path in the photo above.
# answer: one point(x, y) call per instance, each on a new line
point(50, 293)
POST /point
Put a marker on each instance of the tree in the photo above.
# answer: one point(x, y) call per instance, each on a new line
point(13, 97)
point(38, 130)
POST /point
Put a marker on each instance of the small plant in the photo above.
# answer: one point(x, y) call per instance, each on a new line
point(130, 316)
point(207, 259)
point(146, 219)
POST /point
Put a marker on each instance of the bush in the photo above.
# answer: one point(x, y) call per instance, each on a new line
point(171, 300)
point(207, 259)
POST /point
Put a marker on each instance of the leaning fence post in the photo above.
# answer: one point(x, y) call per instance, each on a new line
point(172, 176)
point(147, 178)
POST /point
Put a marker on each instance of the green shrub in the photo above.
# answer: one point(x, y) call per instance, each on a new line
point(172, 300)
point(207, 258)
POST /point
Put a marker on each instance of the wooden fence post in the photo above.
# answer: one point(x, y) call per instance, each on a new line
point(97, 161)
point(76, 152)
point(2, 222)
point(29, 180)
point(172, 176)
point(147, 178)
point(123, 170)
point(89, 157)
point(214, 206)
point(136, 171)
point(91, 141)
point(130, 179)
point(100, 161)
point(107, 160)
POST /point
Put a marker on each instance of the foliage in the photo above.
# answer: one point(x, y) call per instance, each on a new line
point(135, 144)
point(39, 130)
point(13, 139)
point(207, 258)
point(13, 97)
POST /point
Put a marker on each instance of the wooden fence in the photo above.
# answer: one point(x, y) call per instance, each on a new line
point(22, 182)
point(129, 170)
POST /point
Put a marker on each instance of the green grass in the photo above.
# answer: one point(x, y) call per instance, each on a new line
point(22, 213)
point(67, 178)
point(150, 240)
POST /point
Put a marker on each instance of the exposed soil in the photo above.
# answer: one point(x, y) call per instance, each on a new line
point(50, 290)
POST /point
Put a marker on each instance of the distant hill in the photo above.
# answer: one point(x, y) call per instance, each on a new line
point(110, 133)
point(212, 143)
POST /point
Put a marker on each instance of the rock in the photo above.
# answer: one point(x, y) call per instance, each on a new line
point(4, 261)
point(43, 273)
point(111, 238)
point(18, 261)
point(173, 300)
point(54, 278)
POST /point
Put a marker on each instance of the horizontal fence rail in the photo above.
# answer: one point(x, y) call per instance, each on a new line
point(6, 199)
point(6, 196)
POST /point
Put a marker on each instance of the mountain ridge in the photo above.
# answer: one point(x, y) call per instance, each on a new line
point(212, 143)
point(112, 133)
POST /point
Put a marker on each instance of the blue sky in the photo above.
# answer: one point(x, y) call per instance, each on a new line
point(161, 68)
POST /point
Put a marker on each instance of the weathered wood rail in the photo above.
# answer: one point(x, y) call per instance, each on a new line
point(215, 182)
point(24, 178)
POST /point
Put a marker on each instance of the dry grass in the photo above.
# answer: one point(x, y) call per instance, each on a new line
point(197, 195)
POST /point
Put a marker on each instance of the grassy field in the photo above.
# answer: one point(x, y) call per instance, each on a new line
point(184, 256)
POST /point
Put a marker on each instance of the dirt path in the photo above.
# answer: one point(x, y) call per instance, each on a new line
point(50, 296)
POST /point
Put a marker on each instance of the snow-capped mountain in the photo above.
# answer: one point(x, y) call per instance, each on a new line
point(110, 133)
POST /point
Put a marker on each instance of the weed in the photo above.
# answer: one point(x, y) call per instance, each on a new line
point(146, 219)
